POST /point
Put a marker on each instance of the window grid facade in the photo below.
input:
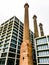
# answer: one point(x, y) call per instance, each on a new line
point(42, 50)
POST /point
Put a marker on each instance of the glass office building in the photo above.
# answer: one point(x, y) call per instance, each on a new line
point(11, 37)
point(42, 50)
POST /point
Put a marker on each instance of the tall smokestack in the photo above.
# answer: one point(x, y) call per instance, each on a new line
point(26, 47)
point(26, 23)
point(41, 29)
point(36, 34)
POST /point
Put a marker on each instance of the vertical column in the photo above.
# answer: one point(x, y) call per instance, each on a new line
point(41, 29)
point(26, 47)
point(35, 26)
point(26, 23)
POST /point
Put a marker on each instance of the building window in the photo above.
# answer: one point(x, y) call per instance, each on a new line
point(19, 43)
point(10, 62)
point(5, 50)
point(48, 38)
point(21, 23)
point(15, 34)
point(6, 45)
point(21, 34)
point(15, 29)
point(13, 45)
point(18, 51)
point(3, 54)
point(18, 47)
point(0, 46)
point(20, 40)
point(43, 60)
point(12, 50)
point(11, 55)
point(16, 26)
point(2, 61)
point(43, 53)
point(10, 23)
point(7, 40)
point(21, 37)
point(42, 47)
point(14, 37)
point(17, 61)
point(41, 41)
point(18, 56)
point(13, 41)
point(21, 31)
point(16, 23)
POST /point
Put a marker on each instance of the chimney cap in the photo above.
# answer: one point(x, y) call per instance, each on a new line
point(40, 24)
point(34, 16)
point(26, 4)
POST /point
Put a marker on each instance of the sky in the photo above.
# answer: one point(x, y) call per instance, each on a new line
point(10, 8)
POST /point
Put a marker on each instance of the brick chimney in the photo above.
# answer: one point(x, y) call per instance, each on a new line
point(26, 47)
point(36, 34)
point(41, 29)
point(26, 23)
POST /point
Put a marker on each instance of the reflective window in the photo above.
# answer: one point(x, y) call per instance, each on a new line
point(16, 26)
point(5, 50)
point(17, 62)
point(10, 61)
point(3, 54)
point(13, 41)
point(12, 50)
point(18, 56)
point(7, 40)
point(21, 27)
point(18, 51)
point(2, 61)
point(48, 38)
point(41, 41)
point(7, 37)
point(18, 47)
point(14, 37)
point(21, 37)
point(20, 40)
point(16, 22)
point(19, 43)
point(21, 31)
point(15, 34)
point(11, 55)
point(13, 45)
point(42, 47)
point(21, 23)
point(43, 53)
point(43, 60)
point(6, 45)
point(15, 30)
point(0, 46)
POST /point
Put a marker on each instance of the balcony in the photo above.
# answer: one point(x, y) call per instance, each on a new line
point(5, 50)
point(8, 33)
point(3, 32)
point(7, 37)
point(10, 23)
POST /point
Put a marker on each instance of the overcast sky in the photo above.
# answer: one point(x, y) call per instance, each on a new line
point(10, 8)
